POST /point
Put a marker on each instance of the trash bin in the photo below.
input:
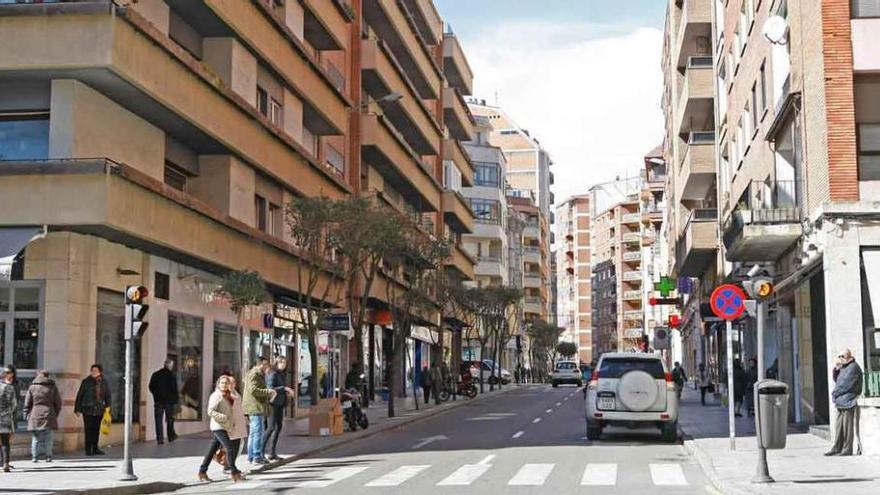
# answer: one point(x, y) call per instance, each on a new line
point(771, 413)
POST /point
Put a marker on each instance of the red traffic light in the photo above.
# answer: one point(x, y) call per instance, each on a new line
point(674, 321)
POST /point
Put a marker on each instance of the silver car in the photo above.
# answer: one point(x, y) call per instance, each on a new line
point(628, 388)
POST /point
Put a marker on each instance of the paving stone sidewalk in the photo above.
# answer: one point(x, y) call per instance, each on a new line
point(798, 469)
point(162, 468)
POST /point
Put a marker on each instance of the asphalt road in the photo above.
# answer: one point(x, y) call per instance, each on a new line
point(531, 440)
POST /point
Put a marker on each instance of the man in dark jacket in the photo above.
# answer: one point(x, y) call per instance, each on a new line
point(276, 381)
point(91, 400)
point(163, 386)
point(847, 388)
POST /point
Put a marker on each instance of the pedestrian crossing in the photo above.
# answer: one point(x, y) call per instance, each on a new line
point(527, 474)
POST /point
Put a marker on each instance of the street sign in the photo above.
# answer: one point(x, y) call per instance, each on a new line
point(728, 302)
point(661, 338)
point(337, 322)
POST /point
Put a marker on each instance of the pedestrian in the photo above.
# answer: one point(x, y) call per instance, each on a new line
point(16, 385)
point(445, 375)
point(425, 382)
point(436, 381)
point(678, 377)
point(42, 405)
point(163, 386)
point(255, 402)
point(739, 387)
point(239, 431)
point(92, 399)
point(8, 405)
point(353, 378)
point(223, 419)
point(705, 382)
point(276, 381)
point(847, 388)
point(751, 380)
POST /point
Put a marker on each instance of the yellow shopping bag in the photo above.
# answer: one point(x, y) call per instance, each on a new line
point(106, 421)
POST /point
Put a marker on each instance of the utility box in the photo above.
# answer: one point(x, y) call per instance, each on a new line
point(771, 413)
point(325, 419)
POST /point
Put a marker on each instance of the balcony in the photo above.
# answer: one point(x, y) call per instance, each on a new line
point(531, 231)
point(457, 212)
point(696, 26)
point(631, 237)
point(462, 262)
point(697, 171)
point(652, 214)
point(457, 115)
point(532, 280)
point(454, 152)
point(391, 23)
point(632, 276)
point(532, 305)
point(632, 332)
point(632, 256)
point(632, 315)
point(455, 65)
point(696, 247)
point(382, 76)
point(325, 24)
point(632, 295)
point(532, 254)
point(766, 222)
point(386, 150)
point(427, 20)
point(489, 229)
point(631, 218)
point(492, 267)
point(695, 104)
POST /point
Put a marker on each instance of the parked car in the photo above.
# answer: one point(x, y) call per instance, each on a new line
point(486, 364)
point(499, 371)
point(628, 388)
point(566, 372)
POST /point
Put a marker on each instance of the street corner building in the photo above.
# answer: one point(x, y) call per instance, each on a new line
point(772, 139)
point(158, 143)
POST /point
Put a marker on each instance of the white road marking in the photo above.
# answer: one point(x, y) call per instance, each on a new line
point(531, 475)
point(566, 398)
point(548, 411)
point(398, 476)
point(536, 420)
point(558, 404)
point(518, 434)
point(332, 477)
point(426, 441)
point(487, 459)
point(465, 475)
point(667, 475)
point(600, 475)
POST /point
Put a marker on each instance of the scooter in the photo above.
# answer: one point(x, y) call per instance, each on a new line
point(352, 409)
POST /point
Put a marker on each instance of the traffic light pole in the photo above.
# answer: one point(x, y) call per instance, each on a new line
point(762, 474)
point(127, 465)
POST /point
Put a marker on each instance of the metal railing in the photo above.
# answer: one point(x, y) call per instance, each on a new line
point(631, 218)
point(632, 275)
point(632, 256)
point(630, 295)
point(872, 384)
point(630, 237)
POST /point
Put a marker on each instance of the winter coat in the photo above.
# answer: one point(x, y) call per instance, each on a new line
point(163, 386)
point(679, 376)
point(256, 393)
point(93, 397)
point(425, 378)
point(848, 386)
point(221, 412)
point(275, 381)
point(436, 377)
point(739, 384)
point(240, 424)
point(8, 404)
point(42, 404)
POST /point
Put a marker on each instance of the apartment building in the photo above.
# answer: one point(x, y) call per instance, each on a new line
point(535, 269)
point(794, 112)
point(190, 125)
point(574, 274)
point(529, 177)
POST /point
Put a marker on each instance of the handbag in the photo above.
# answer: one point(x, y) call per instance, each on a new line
point(220, 456)
point(106, 421)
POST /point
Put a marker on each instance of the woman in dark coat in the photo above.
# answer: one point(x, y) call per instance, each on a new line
point(91, 400)
point(8, 405)
point(739, 387)
point(42, 404)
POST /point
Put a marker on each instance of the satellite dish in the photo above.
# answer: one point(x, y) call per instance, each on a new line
point(775, 30)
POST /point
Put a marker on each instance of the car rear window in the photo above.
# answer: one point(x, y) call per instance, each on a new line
point(616, 367)
point(565, 366)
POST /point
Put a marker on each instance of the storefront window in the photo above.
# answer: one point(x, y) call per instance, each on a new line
point(225, 350)
point(27, 299)
point(20, 324)
point(110, 351)
point(185, 348)
point(26, 338)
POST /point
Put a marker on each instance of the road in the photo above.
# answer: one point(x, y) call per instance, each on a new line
point(530, 440)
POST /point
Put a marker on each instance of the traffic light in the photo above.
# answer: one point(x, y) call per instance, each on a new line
point(759, 288)
point(135, 311)
point(674, 321)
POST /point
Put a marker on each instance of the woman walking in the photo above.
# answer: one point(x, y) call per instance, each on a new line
point(239, 431)
point(42, 404)
point(223, 421)
point(8, 405)
point(277, 382)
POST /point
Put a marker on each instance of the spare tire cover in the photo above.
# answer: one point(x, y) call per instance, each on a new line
point(637, 390)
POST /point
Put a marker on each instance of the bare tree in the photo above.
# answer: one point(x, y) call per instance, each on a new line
point(544, 337)
point(242, 289)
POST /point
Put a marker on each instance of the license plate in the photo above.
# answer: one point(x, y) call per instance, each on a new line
point(346, 404)
point(606, 403)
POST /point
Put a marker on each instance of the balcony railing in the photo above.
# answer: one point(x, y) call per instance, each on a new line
point(630, 295)
point(633, 275)
point(531, 249)
point(632, 256)
point(633, 315)
point(489, 259)
point(631, 218)
point(872, 384)
point(631, 237)
point(532, 300)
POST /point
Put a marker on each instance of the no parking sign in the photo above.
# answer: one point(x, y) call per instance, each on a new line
point(728, 302)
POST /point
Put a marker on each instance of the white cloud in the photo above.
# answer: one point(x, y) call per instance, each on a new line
point(590, 94)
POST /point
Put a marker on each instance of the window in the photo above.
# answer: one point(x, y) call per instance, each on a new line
point(764, 102)
point(753, 110)
point(161, 285)
point(20, 324)
point(262, 101)
point(486, 210)
point(336, 161)
point(24, 135)
point(865, 8)
point(451, 176)
point(869, 152)
point(276, 112)
point(274, 220)
point(225, 350)
point(487, 174)
point(185, 349)
point(260, 212)
point(110, 351)
point(175, 177)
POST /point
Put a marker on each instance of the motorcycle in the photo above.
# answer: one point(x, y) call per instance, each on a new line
point(352, 409)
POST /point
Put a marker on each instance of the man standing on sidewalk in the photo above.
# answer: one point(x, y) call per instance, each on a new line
point(255, 402)
point(163, 386)
point(705, 382)
point(847, 388)
point(678, 377)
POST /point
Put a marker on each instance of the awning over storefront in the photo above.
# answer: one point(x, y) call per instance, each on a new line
point(425, 334)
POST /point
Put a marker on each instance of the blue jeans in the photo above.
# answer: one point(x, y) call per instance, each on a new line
point(41, 444)
point(255, 437)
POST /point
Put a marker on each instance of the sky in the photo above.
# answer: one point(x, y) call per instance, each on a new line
point(583, 76)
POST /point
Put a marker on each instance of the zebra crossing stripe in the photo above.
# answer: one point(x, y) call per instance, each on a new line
point(465, 475)
point(332, 477)
point(398, 476)
point(531, 475)
point(667, 475)
point(600, 475)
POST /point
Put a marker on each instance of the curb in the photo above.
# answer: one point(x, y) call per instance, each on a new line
point(708, 467)
point(132, 489)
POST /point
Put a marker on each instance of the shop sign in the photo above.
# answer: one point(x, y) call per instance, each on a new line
point(337, 322)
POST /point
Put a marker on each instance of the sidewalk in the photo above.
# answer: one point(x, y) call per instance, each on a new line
point(168, 467)
point(798, 469)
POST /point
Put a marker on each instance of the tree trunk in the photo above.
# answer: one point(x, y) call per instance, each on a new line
point(480, 364)
point(242, 350)
point(313, 355)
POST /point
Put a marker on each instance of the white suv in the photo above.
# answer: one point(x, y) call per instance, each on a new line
point(629, 387)
point(566, 372)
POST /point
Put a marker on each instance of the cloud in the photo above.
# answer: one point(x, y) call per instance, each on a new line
point(589, 93)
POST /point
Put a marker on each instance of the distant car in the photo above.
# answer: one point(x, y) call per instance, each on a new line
point(629, 388)
point(566, 372)
point(486, 366)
